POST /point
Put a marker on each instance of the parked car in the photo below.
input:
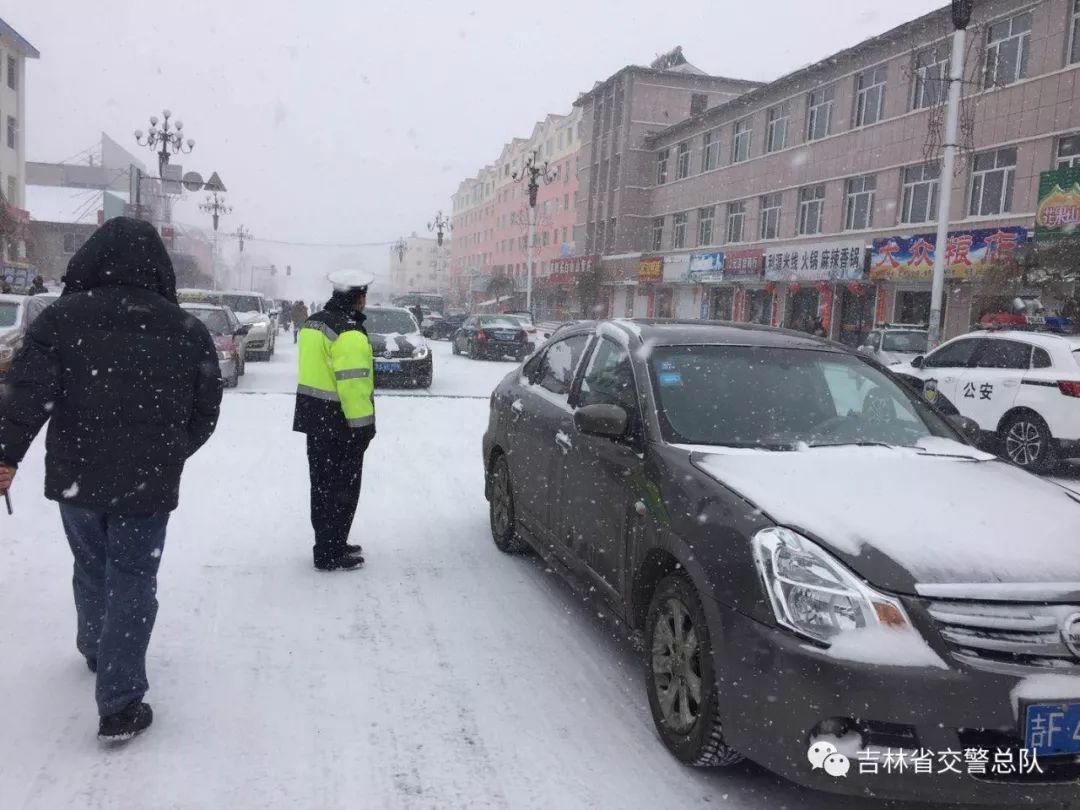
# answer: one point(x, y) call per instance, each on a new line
point(493, 337)
point(812, 553)
point(228, 334)
point(402, 355)
point(891, 344)
point(532, 334)
point(13, 324)
point(446, 328)
point(430, 320)
point(1022, 388)
point(251, 308)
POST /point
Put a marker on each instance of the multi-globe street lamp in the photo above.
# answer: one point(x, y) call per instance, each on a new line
point(165, 139)
point(533, 171)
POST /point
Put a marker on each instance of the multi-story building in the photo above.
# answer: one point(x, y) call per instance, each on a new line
point(14, 51)
point(490, 219)
point(815, 195)
point(422, 266)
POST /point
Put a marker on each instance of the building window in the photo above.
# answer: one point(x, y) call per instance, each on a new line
point(682, 161)
point(770, 216)
point(710, 151)
point(919, 202)
point(610, 235)
point(1007, 44)
point(705, 225)
point(819, 113)
point(661, 166)
point(698, 103)
point(11, 127)
point(658, 233)
point(992, 182)
point(1074, 35)
point(12, 73)
point(740, 144)
point(931, 76)
point(678, 236)
point(69, 243)
point(776, 127)
point(1068, 150)
point(736, 216)
point(859, 205)
point(870, 96)
point(811, 204)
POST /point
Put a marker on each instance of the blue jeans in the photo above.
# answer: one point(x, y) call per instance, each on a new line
point(116, 564)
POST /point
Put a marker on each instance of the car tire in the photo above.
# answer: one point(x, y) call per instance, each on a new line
point(1027, 443)
point(454, 347)
point(501, 512)
point(678, 650)
point(474, 353)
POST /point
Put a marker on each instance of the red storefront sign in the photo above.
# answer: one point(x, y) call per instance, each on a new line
point(650, 270)
point(744, 263)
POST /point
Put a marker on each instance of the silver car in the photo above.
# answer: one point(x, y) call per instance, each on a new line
point(891, 344)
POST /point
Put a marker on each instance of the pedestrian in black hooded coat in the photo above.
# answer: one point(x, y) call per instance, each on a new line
point(130, 385)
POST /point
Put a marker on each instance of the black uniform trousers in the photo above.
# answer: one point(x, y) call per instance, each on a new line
point(336, 463)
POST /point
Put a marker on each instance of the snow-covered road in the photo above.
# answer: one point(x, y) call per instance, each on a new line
point(443, 675)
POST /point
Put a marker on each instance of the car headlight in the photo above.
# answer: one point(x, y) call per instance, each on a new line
point(420, 352)
point(6, 353)
point(814, 594)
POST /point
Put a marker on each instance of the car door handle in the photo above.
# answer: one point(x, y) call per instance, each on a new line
point(563, 441)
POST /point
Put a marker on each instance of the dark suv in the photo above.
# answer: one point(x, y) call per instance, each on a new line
point(824, 571)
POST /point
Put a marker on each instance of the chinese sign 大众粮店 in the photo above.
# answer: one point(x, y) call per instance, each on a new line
point(966, 253)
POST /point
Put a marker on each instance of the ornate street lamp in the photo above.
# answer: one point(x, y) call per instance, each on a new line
point(440, 226)
point(215, 206)
point(534, 172)
point(168, 138)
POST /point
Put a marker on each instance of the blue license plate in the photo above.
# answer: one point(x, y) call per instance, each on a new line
point(1052, 729)
point(387, 367)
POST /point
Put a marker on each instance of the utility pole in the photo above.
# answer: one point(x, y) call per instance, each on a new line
point(961, 16)
point(534, 172)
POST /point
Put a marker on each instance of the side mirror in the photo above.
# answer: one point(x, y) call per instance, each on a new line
point(968, 427)
point(918, 362)
point(244, 329)
point(601, 420)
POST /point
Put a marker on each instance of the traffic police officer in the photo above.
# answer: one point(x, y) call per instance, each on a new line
point(335, 407)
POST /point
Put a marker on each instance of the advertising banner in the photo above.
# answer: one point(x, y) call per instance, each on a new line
point(828, 261)
point(744, 264)
point(706, 267)
point(966, 253)
point(1058, 213)
point(650, 270)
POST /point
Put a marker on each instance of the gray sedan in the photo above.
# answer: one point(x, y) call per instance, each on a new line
point(825, 572)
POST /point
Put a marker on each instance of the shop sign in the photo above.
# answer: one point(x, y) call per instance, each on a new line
point(966, 253)
point(744, 263)
point(830, 261)
point(1058, 213)
point(650, 270)
point(573, 265)
point(706, 267)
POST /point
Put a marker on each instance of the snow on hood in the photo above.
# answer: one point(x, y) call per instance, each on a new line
point(252, 317)
point(940, 513)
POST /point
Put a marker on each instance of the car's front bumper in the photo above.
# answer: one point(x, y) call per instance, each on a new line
point(409, 371)
point(776, 688)
point(257, 341)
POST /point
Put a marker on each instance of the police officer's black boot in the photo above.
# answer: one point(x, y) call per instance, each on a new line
point(344, 561)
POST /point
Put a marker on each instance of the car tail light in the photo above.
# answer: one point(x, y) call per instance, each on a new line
point(481, 335)
point(1070, 388)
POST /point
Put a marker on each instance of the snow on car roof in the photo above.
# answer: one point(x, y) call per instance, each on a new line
point(1044, 339)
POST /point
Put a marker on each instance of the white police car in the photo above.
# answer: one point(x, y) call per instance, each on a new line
point(1022, 388)
point(894, 343)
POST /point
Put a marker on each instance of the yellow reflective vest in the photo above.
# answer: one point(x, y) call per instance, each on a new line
point(336, 376)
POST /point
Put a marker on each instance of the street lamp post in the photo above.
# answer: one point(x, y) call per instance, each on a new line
point(961, 16)
point(216, 207)
point(440, 225)
point(169, 139)
point(534, 172)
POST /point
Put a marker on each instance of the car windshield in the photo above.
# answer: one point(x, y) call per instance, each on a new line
point(500, 322)
point(9, 313)
point(389, 322)
point(913, 341)
point(215, 319)
point(243, 303)
point(776, 398)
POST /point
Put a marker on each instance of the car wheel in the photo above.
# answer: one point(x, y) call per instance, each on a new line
point(1027, 442)
point(474, 353)
point(501, 509)
point(683, 695)
point(424, 381)
point(454, 347)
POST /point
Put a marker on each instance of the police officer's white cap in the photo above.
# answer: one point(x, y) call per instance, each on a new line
point(351, 280)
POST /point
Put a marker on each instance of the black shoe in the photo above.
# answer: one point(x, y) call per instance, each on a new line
point(355, 550)
point(343, 562)
point(126, 723)
point(91, 664)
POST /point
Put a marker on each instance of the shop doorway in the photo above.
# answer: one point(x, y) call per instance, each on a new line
point(803, 309)
point(856, 314)
point(913, 306)
point(759, 307)
point(721, 303)
point(664, 305)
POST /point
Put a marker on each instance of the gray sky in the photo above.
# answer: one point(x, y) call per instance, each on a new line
point(345, 121)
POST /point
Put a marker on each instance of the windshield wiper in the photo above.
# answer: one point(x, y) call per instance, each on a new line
point(856, 444)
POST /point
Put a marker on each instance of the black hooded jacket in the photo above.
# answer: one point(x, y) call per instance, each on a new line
point(129, 382)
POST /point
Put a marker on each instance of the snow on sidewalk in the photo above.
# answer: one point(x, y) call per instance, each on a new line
point(443, 675)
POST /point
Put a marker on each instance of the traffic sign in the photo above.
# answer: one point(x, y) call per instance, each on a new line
point(192, 181)
point(214, 183)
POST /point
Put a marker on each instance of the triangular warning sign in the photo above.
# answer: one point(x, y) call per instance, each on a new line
point(214, 183)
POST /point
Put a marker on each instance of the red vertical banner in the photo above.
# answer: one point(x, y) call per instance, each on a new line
point(825, 306)
point(738, 309)
point(775, 310)
point(650, 309)
point(879, 307)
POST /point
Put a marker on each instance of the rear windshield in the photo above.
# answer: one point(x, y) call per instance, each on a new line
point(500, 322)
point(913, 341)
point(389, 322)
point(8, 313)
point(243, 303)
point(215, 319)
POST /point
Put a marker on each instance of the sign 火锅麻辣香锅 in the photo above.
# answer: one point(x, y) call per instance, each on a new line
point(1058, 212)
point(966, 253)
point(829, 261)
point(650, 269)
point(706, 267)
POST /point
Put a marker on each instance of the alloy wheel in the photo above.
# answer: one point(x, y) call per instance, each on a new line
point(676, 665)
point(1024, 443)
point(500, 501)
